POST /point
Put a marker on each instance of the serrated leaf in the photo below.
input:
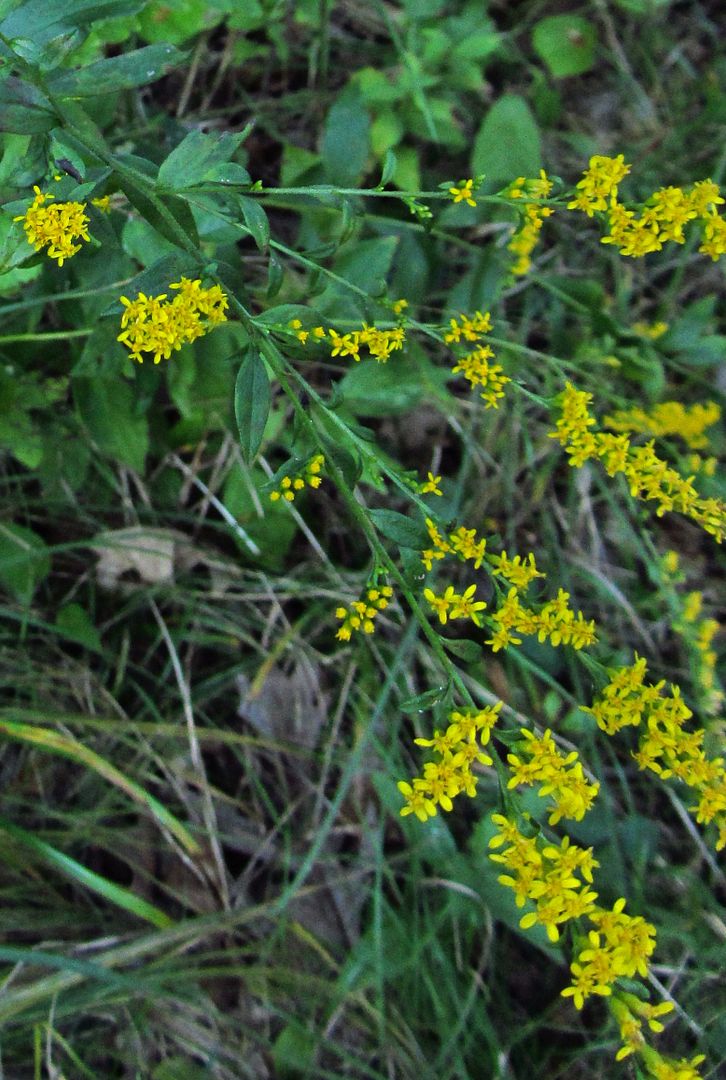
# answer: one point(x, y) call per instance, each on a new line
point(399, 528)
point(252, 399)
point(117, 73)
point(566, 43)
point(256, 221)
point(197, 155)
point(508, 143)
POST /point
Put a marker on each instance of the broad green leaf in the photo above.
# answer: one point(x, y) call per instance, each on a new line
point(40, 21)
point(195, 157)
point(345, 141)
point(179, 20)
point(73, 621)
point(387, 130)
point(123, 72)
point(24, 561)
point(508, 143)
point(402, 530)
point(256, 221)
point(367, 263)
point(372, 389)
point(23, 109)
point(252, 399)
point(106, 406)
point(566, 43)
point(466, 650)
point(178, 209)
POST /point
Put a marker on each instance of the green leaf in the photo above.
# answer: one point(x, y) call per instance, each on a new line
point(566, 43)
point(123, 72)
point(40, 21)
point(73, 621)
point(293, 1052)
point(24, 561)
point(197, 155)
point(252, 399)
point(23, 109)
point(427, 700)
point(106, 406)
point(466, 650)
point(390, 163)
point(149, 209)
point(402, 530)
point(508, 143)
point(345, 142)
point(178, 21)
point(256, 221)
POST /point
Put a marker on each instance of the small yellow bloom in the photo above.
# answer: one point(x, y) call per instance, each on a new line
point(464, 192)
point(430, 486)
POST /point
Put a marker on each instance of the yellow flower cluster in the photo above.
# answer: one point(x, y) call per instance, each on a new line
point(56, 227)
point(309, 477)
point(361, 614)
point(653, 331)
point(464, 192)
point(663, 216)
point(555, 621)
point(665, 746)
point(524, 240)
point(630, 1013)
point(618, 948)
point(649, 477)
point(669, 418)
point(599, 184)
point(453, 605)
point(475, 366)
point(154, 324)
point(560, 775)
point(698, 633)
point(379, 343)
point(545, 874)
point(669, 1069)
point(456, 750)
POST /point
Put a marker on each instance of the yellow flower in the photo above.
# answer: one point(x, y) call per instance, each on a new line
point(464, 192)
point(430, 486)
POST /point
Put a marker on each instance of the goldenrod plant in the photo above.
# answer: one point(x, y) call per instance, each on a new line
point(360, 442)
